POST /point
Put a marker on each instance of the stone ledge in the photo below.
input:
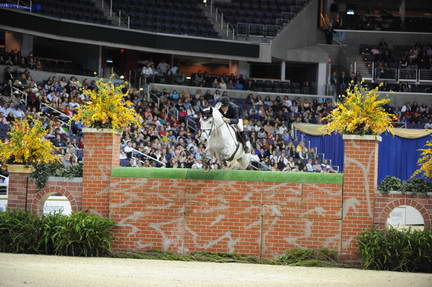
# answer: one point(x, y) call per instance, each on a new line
point(364, 138)
point(20, 168)
point(100, 131)
point(65, 179)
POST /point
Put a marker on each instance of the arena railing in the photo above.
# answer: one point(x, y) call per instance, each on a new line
point(425, 75)
point(239, 94)
point(414, 75)
point(227, 29)
point(17, 4)
point(147, 156)
point(64, 124)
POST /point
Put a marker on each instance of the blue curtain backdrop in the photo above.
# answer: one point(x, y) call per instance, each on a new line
point(397, 156)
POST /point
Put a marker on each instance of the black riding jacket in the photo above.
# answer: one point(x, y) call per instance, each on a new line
point(232, 113)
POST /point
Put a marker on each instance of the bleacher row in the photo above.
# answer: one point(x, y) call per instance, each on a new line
point(80, 10)
point(269, 86)
point(386, 23)
point(177, 17)
point(181, 17)
point(260, 12)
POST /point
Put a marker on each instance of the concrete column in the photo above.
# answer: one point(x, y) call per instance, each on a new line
point(359, 190)
point(322, 78)
point(283, 70)
point(27, 45)
point(402, 10)
point(100, 69)
point(244, 69)
point(101, 153)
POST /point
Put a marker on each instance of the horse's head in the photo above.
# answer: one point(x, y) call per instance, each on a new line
point(217, 116)
point(211, 119)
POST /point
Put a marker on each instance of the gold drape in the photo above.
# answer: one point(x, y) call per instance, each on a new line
point(316, 130)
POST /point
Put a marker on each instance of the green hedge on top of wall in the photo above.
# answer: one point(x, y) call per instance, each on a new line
point(233, 175)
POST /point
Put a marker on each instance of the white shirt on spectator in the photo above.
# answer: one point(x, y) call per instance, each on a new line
point(287, 103)
point(173, 70)
point(147, 71)
point(3, 111)
point(18, 113)
point(197, 164)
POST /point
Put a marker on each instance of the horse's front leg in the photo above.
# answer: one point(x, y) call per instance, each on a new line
point(206, 159)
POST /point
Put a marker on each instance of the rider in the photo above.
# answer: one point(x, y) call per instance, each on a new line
point(230, 112)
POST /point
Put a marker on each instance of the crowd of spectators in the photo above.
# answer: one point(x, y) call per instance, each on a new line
point(417, 56)
point(167, 74)
point(384, 20)
point(170, 134)
point(15, 58)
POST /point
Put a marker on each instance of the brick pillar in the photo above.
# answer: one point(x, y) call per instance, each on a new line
point(101, 153)
point(359, 189)
point(19, 187)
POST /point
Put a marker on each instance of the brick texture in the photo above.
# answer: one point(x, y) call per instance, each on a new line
point(385, 203)
point(101, 153)
point(23, 196)
point(256, 218)
point(359, 190)
point(18, 192)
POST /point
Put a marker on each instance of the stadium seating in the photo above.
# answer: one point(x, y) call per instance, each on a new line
point(80, 10)
point(167, 16)
point(259, 17)
point(386, 23)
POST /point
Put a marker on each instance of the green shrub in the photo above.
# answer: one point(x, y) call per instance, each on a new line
point(308, 257)
point(202, 256)
point(396, 250)
point(416, 185)
point(77, 235)
point(83, 235)
point(44, 170)
point(390, 183)
point(19, 232)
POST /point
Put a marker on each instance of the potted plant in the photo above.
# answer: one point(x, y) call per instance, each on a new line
point(107, 108)
point(26, 146)
point(361, 113)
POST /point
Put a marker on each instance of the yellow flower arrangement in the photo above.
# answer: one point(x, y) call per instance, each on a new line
point(361, 113)
point(425, 161)
point(107, 107)
point(27, 144)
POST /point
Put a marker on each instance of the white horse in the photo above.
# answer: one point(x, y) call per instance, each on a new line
point(222, 143)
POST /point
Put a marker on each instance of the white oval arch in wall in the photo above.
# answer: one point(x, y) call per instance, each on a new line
point(57, 203)
point(405, 217)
